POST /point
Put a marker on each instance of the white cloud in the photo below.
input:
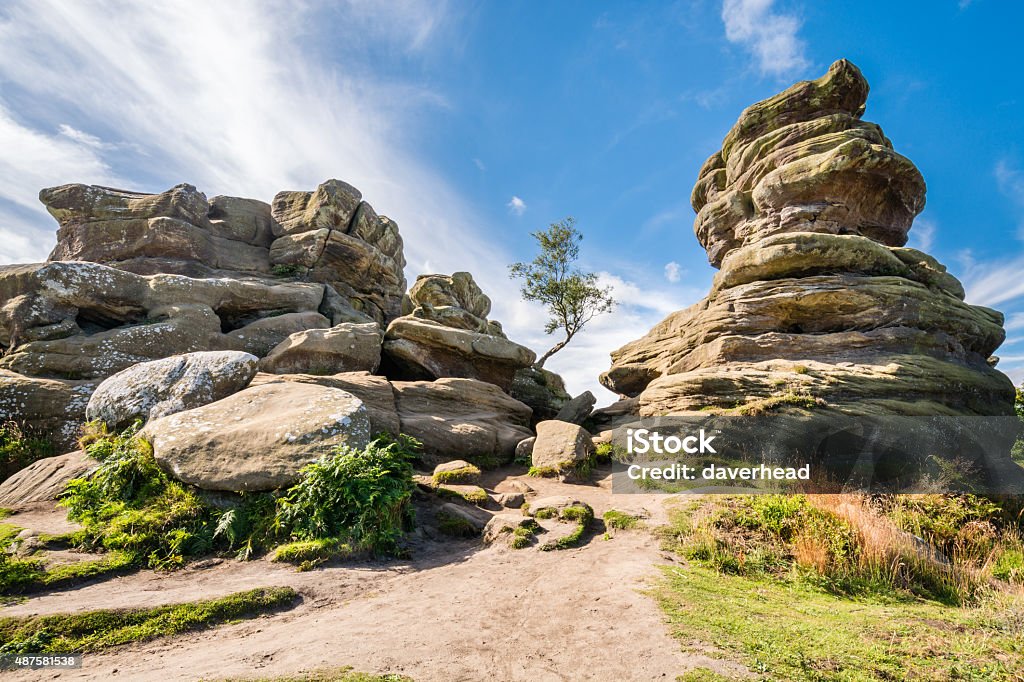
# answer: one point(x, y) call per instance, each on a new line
point(1010, 181)
point(639, 308)
point(248, 112)
point(673, 271)
point(922, 235)
point(516, 205)
point(1015, 322)
point(479, 165)
point(769, 36)
point(993, 282)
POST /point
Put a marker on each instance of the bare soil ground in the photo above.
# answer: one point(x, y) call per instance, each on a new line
point(456, 611)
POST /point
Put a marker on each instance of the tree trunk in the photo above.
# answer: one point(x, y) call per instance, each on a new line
point(554, 349)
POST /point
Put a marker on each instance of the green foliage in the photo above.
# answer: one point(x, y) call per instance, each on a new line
point(606, 453)
point(617, 520)
point(18, 450)
point(362, 497)
point(522, 536)
point(94, 630)
point(466, 473)
point(286, 270)
point(129, 504)
point(474, 495)
point(1009, 566)
point(358, 497)
point(1018, 403)
point(938, 547)
point(794, 631)
point(572, 297)
point(579, 514)
point(544, 472)
point(308, 554)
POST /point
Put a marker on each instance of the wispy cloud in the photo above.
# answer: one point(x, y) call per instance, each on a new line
point(673, 271)
point(771, 37)
point(479, 165)
point(1010, 181)
point(271, 104)
point(516, 205)
point(922, 235)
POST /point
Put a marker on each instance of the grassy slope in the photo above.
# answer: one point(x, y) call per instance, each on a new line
point(794, 632)
point(785, 625)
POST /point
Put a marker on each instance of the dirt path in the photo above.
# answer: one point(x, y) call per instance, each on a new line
point(457, 612)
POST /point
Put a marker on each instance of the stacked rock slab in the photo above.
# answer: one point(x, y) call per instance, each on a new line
point(444, 332)
point(805, 210)
point(138, 277)
point(336, 238)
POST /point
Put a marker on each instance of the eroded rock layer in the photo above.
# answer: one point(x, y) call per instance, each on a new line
point(805, 211)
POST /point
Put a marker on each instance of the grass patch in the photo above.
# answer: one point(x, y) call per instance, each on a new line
point(522, 536)
point(617, 520)
point(460, 475)
point(788, 399)
point(945, 548)
point(579, 514)
point(793, 631)
point(286, 270)
point(359, 497)
point(18, 449)
point(581, 469)
point(95, 630)
point(475, 495)
point(308, 554)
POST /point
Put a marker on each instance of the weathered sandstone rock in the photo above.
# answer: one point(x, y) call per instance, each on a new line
point(541, 389)
point(44, 479)
point(258, 438)
point(461, 418)
point(340, 240)
point(158, 388)
point(805, 210)
point(50, 408)
point(423, 349)
point(578, 409)
point(559, 445)
point(345, 347)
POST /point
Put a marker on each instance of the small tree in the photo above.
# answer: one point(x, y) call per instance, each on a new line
point(572, 297)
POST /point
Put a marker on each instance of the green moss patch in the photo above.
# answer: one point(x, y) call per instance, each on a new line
point(95, 630)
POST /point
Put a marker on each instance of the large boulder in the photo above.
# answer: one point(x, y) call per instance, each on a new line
point(345, 347)
point(375, 391)
point(454, 301)
point(50, 408)
point(560, 445)
point(805, 209)
point(423, 349)
point(453, 418)
point(158, 388)
point(170, 232)
point(541, 389)
point(444, 332)
point(259, 438)
point(336, 238)
point(578, 409)
point(44, 479)
point(461, 418)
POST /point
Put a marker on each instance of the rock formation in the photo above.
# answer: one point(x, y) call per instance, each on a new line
point(805, 211)
point(444, 332)
point(303, 286)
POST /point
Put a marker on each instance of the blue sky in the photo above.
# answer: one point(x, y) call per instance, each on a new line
point(473, 124)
